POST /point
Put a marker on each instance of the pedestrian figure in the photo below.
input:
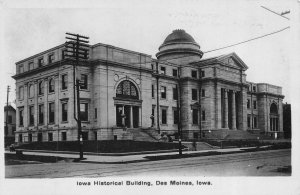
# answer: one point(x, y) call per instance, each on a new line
point(12, 148)
point(194, 145)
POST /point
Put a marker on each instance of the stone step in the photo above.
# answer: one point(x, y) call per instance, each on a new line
point(139, 135)
point(199, 146)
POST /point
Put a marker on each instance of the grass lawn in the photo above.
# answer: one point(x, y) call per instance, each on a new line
point(105, 146)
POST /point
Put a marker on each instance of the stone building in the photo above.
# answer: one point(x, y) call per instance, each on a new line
point(127, 94)
point(9, 132)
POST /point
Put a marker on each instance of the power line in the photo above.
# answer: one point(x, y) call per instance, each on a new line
point(277, 13)
point(259, 37)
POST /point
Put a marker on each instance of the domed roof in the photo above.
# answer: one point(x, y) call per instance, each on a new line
point(179, 36)
point(179, 43)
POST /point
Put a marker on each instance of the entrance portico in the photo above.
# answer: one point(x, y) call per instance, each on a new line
point(127, 116)
point(127, 105)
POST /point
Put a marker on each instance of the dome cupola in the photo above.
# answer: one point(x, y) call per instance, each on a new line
point(179, 43)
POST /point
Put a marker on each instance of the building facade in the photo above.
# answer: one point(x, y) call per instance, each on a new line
point(126, 92)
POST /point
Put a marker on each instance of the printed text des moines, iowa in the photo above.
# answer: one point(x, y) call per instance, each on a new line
point(144, 183)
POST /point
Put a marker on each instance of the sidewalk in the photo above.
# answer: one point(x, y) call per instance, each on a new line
point(125, 158)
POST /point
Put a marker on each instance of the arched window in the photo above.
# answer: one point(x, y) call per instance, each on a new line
point(127, 89)
point(41, 88)
point(31, 91)
point(51, 85)
point(273, 109)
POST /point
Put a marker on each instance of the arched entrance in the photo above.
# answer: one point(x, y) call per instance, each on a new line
point(127, 105)
point(273, 117)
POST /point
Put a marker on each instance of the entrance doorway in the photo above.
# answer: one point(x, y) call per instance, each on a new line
point(127, 116)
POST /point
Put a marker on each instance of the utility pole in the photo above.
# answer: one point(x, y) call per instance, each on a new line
point(178, 88)
point(157, 97)
point(6, 123)
point(77, 49)
point(200, 106)
point(179, 116)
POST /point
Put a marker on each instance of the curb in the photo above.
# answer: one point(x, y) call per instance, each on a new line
point(105, 154)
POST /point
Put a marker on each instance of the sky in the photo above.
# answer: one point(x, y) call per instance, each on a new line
point(142, 26)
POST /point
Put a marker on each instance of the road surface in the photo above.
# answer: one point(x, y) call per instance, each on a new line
point(263, 163)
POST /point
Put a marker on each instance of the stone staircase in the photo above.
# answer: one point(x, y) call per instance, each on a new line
point(141, 135)
point(199, 146)
point(239, 134)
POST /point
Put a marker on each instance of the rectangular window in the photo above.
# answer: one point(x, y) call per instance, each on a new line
point(41, 88)
point(64, 109)
point(194, 94)
point(248, 121)
point(29, 137)
point(175, 72)
point(248, 103)
point(9, 119)
point(63, 54)
point(31, 115)
point(50, 58)
point(96, 113)
point(84, 81)
point(40, 137)
point(63, 136)
point(152, 67)
point(152, 117)
point(50, 137)
point(20, 138)
point(195, 116)
point(21, 68)
point(51, 113)
point(30, 65)
point(163, 93)
point(64, 81)
point(162, 70)
point(254, 104)
point(21, 116)
point(175, 94)
point(203, 115)
point(85, 136)
point(152, 91)
point(254, 122)
point(202, 73)
point(194, 74)
point(163, 116)
point(41, 114)
point(175, 116)
point(202, 92)
point(21, 93)
point(84, 111)
point(41, 62)
point(254, 88)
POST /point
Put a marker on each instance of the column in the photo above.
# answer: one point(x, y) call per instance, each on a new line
point(226, 108)
point(140, 116)
point(123, 116)
point(233, 111)
point(131, 117)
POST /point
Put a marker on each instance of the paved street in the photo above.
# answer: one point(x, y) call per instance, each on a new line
point(264, 163)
